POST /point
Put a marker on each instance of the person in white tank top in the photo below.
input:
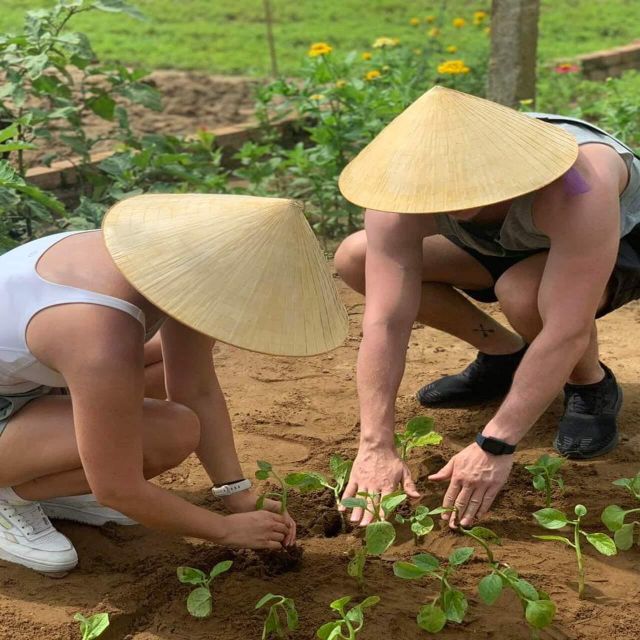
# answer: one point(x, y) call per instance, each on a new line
point(74, 324)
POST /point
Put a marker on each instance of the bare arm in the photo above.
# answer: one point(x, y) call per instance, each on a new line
point(393, 281)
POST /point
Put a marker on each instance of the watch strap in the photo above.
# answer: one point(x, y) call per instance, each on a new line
point(495, 446)
point(229, 488)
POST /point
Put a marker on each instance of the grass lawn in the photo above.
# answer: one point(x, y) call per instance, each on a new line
point(228, 36)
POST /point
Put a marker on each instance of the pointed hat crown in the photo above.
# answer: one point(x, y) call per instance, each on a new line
point(451, 151)
point(244, 270)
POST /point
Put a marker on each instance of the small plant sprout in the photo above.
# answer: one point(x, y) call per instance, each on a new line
point(350, 622)
point(93, 626)
point(355, 568)
point(614, 517)
point(418, 432)
point(537, 607)
point(450, 604)
point(282, 618)
point(264, 472)
point(421, 521)
point(199, 602)
point(554, 519)
point(545, 472)
point(308, 482)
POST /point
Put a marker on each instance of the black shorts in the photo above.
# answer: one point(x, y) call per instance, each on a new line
point(623, 287)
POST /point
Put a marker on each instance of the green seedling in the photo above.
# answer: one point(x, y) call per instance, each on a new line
point(264, 472)
point(450, 604)
point(418, 432)
point(93, 626)
point(355, 568)
point(199, 602)
point(350, 622)
point(308, 482)
point(614, 517)
point(555, 519)
point(421, 521)
point(282, 618)
point(546, 474)
point(537, 606)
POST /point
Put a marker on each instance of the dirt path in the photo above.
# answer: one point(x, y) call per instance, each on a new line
point(295, 413)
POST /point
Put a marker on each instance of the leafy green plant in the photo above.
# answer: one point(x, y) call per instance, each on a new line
point(614, 517)
point(537, 606)
point(555, 519)
point(307, 482)
point(93, 626)
point(350, 622)
point(421, 521)
point(282, 618)
point(199, 601)
point(545, 472)
point(418, 432)
point(265, 472)
point(450, 604)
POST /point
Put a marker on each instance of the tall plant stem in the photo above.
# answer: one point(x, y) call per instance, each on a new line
point(481, 542)
point(268, 18)
point(578, 549)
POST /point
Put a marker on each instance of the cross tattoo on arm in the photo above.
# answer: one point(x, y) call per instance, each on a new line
point(484, 331)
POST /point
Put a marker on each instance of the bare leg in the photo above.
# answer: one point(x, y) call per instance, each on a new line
point(39, 455)
point(154, 386)
point(442, 307)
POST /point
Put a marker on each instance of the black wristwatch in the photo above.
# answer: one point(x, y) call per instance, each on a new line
point(494, 446)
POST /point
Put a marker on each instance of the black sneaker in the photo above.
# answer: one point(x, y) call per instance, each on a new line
point(588, 427)
point(486, 378)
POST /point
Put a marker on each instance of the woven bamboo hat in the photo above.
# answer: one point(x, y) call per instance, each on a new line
point(247, 271)
point(451, 151)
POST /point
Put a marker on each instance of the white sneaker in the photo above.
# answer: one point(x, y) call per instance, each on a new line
point(85, 509)
point(27, 537)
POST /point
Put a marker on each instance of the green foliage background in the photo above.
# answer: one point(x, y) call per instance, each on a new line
point(228, 36)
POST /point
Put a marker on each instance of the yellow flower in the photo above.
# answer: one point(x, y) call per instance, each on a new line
point(414, 22)
point(316, 97)
point(452, 48)
point(319, 49)
point(434, 32)
point(366, 55)
point(340, 84)
point(479, 17)
point(372, 75)
point(430, 19)
point(453, 67)
point(458, 23)
point(385, 42)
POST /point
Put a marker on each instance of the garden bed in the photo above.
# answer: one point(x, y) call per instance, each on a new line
point(301, 411)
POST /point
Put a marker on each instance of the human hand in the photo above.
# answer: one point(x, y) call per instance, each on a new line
point(377, 471)
point(475, 478)
point(254, 530)
point(245, 501)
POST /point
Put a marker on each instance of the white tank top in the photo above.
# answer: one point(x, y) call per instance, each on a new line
point(23, 294)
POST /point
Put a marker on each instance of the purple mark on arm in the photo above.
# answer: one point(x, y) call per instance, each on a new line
point(574, 183)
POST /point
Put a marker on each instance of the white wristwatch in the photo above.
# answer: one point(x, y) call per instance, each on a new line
point(222, 490)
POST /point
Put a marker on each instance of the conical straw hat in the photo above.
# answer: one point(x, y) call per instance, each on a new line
point(450, 151)
point(247, 271)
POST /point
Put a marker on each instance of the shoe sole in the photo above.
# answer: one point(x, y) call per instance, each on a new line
point(606, 449)
point(75, 514)
point(51, 570)
point(460, 404)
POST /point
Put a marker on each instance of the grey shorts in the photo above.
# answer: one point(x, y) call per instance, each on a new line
point(10, 405)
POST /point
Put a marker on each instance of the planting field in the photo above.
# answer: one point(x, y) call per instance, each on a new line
point(295, 413)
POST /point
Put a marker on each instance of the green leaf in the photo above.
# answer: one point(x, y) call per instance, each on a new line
point(262, 475)
point(427, 440)
point(9, 132)
point(327, 630)
point(603, 543)
point(199, 602)
point(551, 518)
point(221, 567)
point(264, 466)
point(485, 534)
point(555, 539)
point(341, 470)
point(419, 426)
point(526, 589)
point(371, 601)
point(379, 536)
point(623, 537)
point(460, 556)
point(266, 598)
point(292, 614)
point(93, 626)
point(455, 605)
point(188, 575)
point(143, 94)
point(539, 613)
point(306, 482)
point(423, 527)
point(580, 510)
point(354, 503)
point(613, 517)
point(271, 624)
point(340, 604)
point(118, 6)
point(392, 501)
point(490, 588)
point(408, 571)
point(539, 483)
point(103, 106)
point(431, 618)
point(426, 561)
point(355, 567)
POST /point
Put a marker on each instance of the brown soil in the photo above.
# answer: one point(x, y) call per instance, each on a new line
point(300, 411)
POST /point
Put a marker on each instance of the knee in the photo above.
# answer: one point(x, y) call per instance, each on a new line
point(350, 258)
point(519, 302)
